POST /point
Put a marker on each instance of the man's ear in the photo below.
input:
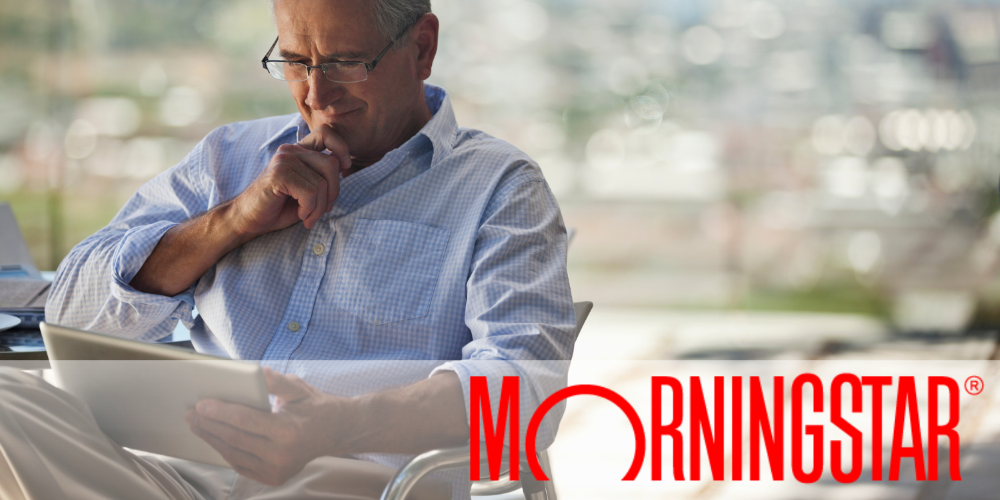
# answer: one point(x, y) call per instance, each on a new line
point(427, 42)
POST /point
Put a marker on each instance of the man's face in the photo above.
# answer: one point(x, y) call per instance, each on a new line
point(369, 115)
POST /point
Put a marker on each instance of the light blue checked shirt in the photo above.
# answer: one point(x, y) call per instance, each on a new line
point(452, 247)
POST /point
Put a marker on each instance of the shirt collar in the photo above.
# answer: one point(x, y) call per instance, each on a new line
point(296, 123)
point(440, 130)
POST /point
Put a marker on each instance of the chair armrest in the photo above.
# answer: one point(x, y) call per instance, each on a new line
point(421, 465)
point(489, 488)
point(453, 458)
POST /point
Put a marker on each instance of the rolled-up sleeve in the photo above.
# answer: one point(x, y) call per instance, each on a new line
point(91, 288)
point(519, 306)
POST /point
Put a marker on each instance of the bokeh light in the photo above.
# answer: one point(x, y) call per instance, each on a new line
point(702, 45)
point(710, 153)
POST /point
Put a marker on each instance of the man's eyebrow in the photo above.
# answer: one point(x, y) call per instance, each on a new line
point(342, 56)
point(287, 54)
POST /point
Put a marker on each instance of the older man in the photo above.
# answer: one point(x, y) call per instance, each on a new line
point(368, 227)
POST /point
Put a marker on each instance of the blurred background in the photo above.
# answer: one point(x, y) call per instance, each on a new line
point(831, 157)
point(749, 179)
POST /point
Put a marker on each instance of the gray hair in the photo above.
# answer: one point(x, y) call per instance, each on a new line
point(391, 17)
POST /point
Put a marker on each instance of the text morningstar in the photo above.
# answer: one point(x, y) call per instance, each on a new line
point(763, 426)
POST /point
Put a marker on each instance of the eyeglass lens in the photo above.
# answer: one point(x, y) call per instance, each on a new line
point(336, 72)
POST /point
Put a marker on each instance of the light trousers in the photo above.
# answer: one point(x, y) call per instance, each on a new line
point(51, 448)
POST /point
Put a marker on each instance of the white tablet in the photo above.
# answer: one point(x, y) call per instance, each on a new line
point(139, 392)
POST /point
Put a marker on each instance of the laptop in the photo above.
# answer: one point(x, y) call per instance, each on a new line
point(22, 289)
point(15, 258)
point(139, 392)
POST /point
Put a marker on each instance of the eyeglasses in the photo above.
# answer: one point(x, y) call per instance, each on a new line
point(338, 71)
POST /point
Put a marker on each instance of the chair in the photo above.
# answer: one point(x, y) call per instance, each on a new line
point(453, 458)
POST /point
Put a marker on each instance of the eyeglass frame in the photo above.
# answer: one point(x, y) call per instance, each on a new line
point(369, 67)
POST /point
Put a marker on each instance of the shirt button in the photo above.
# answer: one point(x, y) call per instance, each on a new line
point(376, 322)
point(318, 249)
point(293, 326)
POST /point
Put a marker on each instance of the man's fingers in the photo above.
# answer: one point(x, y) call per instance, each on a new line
point(321, 195)
point(239, 459)
point(241, 417)
point(233, 437)
point(288, 388)
point(318, 169)
point(313, 141)
point(325, 138)
point(308, 188)
point(327, 166)
point(245, 464)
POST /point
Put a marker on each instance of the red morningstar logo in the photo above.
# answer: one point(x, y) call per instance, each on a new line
point(762, 427)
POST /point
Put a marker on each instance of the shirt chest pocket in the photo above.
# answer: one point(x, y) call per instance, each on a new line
point(390, 270)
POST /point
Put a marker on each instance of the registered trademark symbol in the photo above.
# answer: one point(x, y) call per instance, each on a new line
point(974, 385)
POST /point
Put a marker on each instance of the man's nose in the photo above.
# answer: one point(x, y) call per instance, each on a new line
point(322, 92)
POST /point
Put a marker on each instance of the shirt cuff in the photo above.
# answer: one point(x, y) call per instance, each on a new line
point(537, 381)
point(132, 252)
point(493, 370)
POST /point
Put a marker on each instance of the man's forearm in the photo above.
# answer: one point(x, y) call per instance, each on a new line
point(427, 415)
point(187, 251)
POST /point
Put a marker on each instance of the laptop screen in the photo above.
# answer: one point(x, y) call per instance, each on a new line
point(15, 259)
